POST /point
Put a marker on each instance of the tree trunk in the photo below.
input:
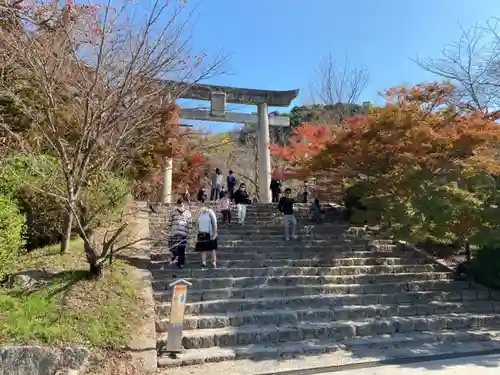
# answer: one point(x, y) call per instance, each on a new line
point(96, 270)
point(91, 254)
point(66, 232)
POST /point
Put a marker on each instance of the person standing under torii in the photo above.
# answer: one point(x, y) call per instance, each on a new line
point(275, 187)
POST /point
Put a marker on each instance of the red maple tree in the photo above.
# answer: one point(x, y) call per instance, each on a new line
point(170, 141)
point(307, 141)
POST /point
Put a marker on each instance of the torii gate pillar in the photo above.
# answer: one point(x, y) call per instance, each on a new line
point(219, 96)
point(264, 153)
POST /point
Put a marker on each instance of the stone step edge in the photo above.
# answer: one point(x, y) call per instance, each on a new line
point(448, 282)
point(431, 267)
point(271, 328)
point(240, 314)
point(285, 255)
point(279, 239)
point(293, 249)
point(341, 349)
point(415, 274)
point(353, 259)
point(480, 295)
point(325, 296)
point(348, 255)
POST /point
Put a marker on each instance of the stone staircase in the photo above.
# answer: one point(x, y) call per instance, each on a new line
point(329, 291)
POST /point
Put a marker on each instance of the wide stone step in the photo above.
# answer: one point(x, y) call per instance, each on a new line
point(321, 301)
point(387, 261)
point(274, 224)
point(326, 314)
point(248, 282)
point(268, 242)
point(283, 252)
point(262, 220)
point(340, 258)
point(293, 248)
point(294, 271)
point(278, 232)
point(336, 330)
point(252, 211)
point(277, 224)
point(197, 295)
point(398, 345)
point(275, 239)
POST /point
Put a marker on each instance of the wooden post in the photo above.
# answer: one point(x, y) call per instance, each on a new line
point(176, 318)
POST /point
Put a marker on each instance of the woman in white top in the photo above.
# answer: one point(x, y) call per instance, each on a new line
point(207, 236)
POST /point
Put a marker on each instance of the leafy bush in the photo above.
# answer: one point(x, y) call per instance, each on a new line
point(24, 179)
point(485, 267)
point(12, 227)
point(353, 200)
point(27, 179)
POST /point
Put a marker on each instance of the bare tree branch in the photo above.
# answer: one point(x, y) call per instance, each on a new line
point(471, 64)
point(337, 86)
point(98, 85)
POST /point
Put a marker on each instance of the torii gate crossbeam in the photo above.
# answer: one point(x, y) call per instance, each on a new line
point(219, 96)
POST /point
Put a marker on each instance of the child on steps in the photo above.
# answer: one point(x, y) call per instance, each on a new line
point(225, 208)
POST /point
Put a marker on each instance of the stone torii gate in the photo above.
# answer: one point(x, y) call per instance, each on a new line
point(219, 96)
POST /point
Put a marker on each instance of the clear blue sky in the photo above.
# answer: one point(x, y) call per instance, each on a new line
point(277, 44)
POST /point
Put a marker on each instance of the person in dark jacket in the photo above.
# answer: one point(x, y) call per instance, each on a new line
point(231, 183)
point(241, 199)
point(285, 206)
point(317, 213)
point(186, 197)
point(305, 192)
point(202, 195)
point(275, 189)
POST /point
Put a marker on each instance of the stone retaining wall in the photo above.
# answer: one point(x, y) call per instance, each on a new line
point(37, 360)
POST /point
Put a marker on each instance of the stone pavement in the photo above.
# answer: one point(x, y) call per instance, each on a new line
point(481, 365)
point(346, 297)
point(346, 363)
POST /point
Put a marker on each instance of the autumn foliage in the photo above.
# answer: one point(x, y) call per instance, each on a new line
point(169, 140)
point(427, 165)
point(306, 141)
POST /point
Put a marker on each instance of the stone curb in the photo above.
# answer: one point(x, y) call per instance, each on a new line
point(142, 346)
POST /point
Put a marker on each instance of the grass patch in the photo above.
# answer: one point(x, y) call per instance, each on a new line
point(69, 307)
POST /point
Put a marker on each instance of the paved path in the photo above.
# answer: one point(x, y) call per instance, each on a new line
point(483, 365)
point(480, 365)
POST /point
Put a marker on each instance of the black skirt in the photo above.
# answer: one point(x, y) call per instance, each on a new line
point(204, 243)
